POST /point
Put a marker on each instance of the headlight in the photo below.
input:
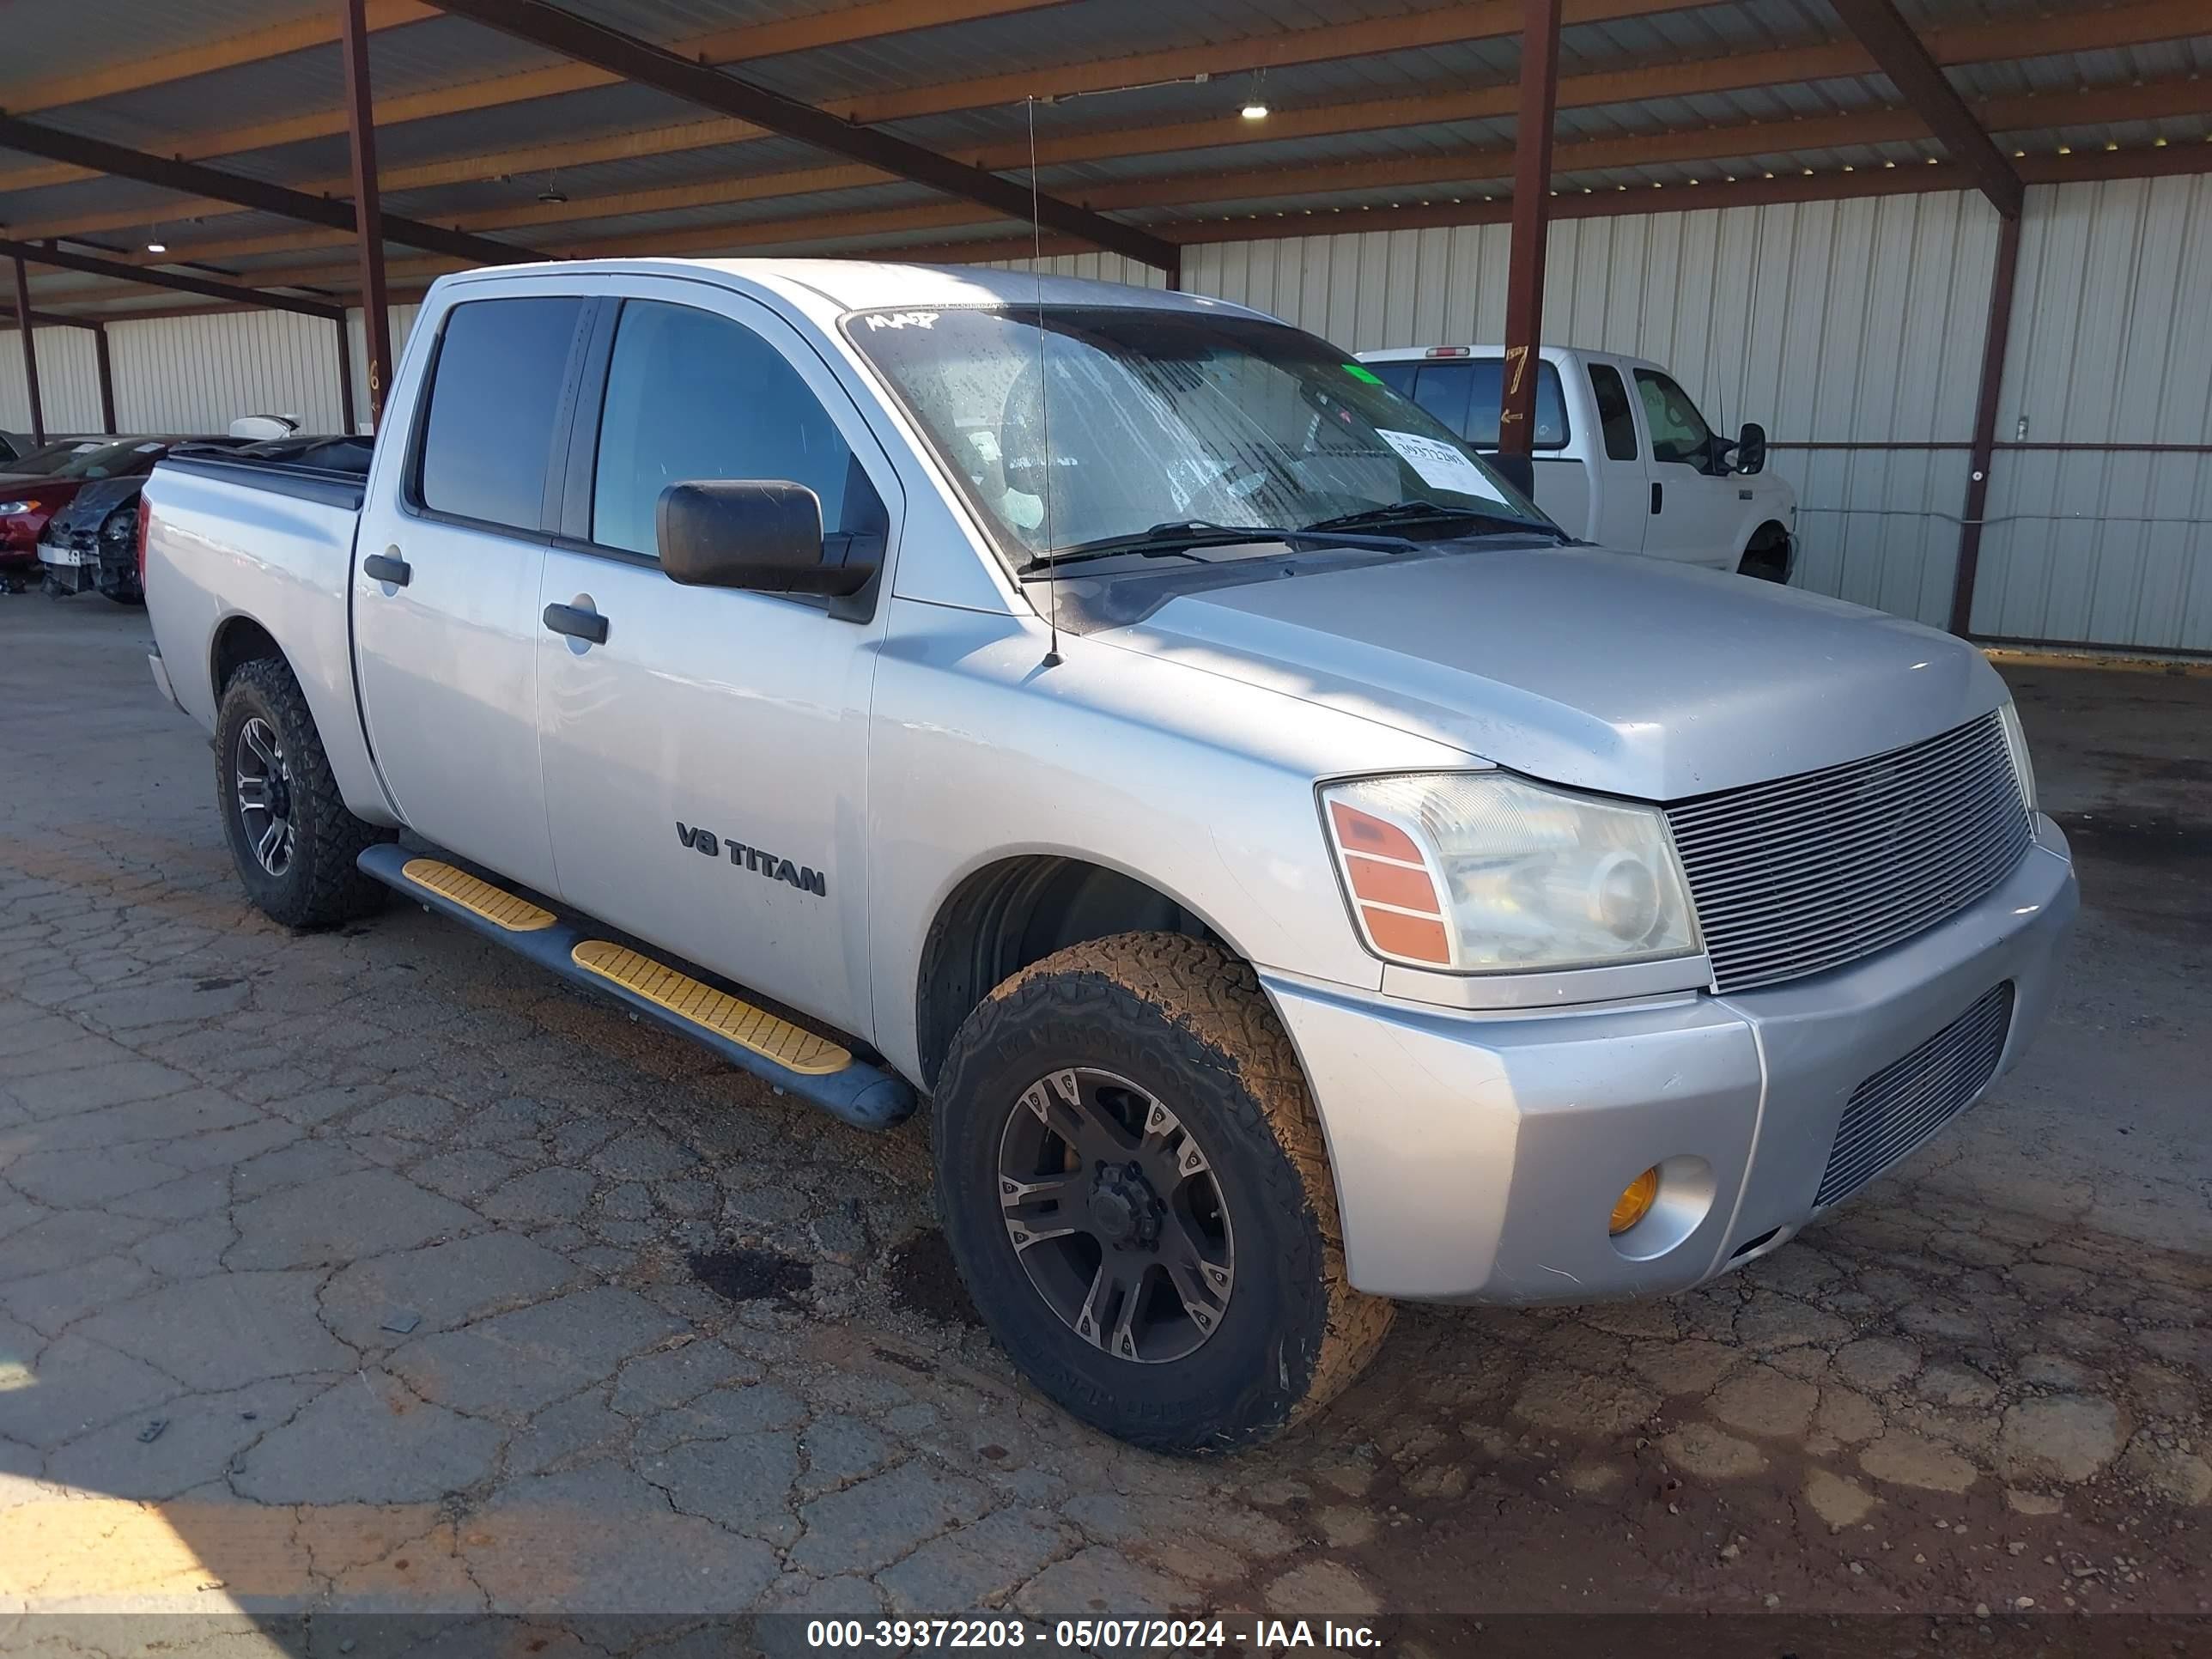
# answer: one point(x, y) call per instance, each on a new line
point(1484, 872)
point(9, 508)
point(2023, 768)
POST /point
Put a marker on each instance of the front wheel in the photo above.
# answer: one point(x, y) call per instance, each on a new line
point(1770, 558)
point(290, 835)
point(1136, 1192)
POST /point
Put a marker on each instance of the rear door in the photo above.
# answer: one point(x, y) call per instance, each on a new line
point(447, 570)
point(1618, 476)
point(705, 761)
point(1693, 506)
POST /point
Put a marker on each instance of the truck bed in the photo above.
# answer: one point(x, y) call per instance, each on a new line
point(332, 470)
point(266, 533)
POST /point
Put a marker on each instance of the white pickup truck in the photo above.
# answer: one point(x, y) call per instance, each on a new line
point(1297, 876)
point(1621, 456)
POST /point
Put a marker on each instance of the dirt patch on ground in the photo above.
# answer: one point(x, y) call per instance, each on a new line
point(748, 1275)
point(922, 1280)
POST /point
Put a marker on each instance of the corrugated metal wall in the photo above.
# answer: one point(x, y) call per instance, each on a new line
point(199, 374)
point(2111, 342)
point(69, 381)
point(1830, 323)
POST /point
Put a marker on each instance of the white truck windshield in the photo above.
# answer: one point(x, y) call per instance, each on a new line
point(1142, 416)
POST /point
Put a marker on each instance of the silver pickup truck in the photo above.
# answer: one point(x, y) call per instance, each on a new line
point(1297, 874)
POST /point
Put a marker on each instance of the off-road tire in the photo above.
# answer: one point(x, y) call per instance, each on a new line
point(322, 886)
point(1186, 1021)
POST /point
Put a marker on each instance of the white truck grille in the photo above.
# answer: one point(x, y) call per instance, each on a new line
point(1807, 873)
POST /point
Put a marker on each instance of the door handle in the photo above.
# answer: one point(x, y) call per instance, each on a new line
point(577, 622)
point(1658, 497)
point(388, 568)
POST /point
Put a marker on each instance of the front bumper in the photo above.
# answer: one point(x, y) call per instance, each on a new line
point(81, 565)
point(1477, 1156)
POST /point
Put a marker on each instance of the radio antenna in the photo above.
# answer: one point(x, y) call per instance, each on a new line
point(1044, 397)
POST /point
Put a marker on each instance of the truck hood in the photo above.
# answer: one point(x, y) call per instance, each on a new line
point(1599, 670)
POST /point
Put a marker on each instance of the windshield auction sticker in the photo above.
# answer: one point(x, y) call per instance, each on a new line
point(1441, 467)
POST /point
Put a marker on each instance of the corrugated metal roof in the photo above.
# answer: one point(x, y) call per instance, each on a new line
point(45, 38)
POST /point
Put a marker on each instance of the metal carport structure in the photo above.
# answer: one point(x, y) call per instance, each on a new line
point(209, 150)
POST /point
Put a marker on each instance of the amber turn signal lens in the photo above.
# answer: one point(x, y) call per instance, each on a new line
point(1635, 1201)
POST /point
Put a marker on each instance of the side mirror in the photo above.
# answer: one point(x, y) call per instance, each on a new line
point(764, 535)
point(1751, 448)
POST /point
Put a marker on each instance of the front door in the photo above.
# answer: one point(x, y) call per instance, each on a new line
point(1693, 505)
point(705, 761)
point(450, 554)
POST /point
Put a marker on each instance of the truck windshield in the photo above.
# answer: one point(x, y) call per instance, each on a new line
point(1144, 418)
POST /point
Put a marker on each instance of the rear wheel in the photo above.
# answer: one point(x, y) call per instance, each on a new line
point(1136, 1192)
point(290, 835)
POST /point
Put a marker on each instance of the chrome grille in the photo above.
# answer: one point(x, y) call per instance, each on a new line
point(1806, 873)
point(1911, 1097)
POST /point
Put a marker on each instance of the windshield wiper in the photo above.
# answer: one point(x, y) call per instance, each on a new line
point(1181, 535)
point(1433, 513)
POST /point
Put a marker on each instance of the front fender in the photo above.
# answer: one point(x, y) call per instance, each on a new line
point(1201, 786)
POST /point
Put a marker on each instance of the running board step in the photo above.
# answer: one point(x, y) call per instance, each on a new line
point(813, 1068)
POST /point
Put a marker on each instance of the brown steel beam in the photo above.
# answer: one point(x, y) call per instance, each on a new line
point(2177, 96)
point(41, 253)
point(935, 223)
point(1864, 184)
point(1912, 69)
point(1994, 339)
point(204, 57)
point(368, 213)
point(649, 65)
point(28, 329)
point(45, 320)
point(107, 373)
point(1532, 192)
point(124, 162)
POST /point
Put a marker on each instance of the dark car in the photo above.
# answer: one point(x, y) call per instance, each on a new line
point(92, 544)
point(28, 499)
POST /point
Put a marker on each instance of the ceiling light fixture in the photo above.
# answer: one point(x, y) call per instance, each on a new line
point(1255, 111)
point(157, 247)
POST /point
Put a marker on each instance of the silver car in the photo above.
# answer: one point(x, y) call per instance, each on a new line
point(1296, 874)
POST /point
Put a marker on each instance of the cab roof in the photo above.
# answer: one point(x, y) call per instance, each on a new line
point(843, 285)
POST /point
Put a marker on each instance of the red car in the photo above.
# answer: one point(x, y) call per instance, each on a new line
point(35, 488)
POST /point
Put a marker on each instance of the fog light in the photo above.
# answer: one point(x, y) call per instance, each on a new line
point(1635, 1201)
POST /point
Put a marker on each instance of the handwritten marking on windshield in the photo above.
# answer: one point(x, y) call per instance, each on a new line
point(903, 319)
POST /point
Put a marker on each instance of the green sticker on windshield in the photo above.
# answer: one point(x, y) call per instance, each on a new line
point(1359, 372)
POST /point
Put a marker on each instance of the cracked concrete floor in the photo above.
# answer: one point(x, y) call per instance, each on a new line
point(375, 1270)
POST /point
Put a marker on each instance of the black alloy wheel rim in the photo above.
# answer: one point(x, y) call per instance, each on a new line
point(1114, 1211)
point(264, 796)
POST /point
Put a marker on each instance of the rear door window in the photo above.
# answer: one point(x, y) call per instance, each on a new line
point(494, 400)
point(692, 394)
point(1397, 374)
point(1613, 413)
point(1464, 393)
